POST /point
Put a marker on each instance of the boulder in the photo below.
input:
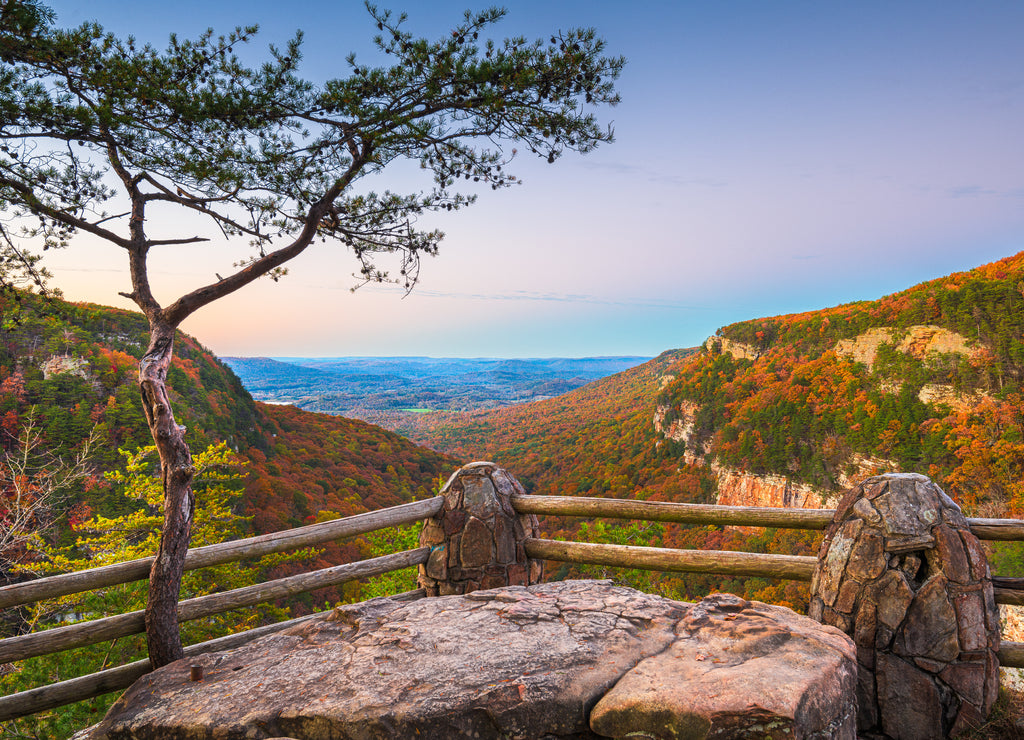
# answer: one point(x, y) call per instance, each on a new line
point(738, 669)
point(511, 662)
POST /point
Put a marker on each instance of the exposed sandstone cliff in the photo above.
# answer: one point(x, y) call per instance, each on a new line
point(741, 488)
point(949, 396)
point(681, 428)
point(739, 350)
point(918, 341)
point(61, 364)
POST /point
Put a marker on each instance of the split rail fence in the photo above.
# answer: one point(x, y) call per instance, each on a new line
point(792, 567)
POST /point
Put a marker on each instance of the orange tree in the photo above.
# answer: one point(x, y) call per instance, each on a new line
point(89, 121)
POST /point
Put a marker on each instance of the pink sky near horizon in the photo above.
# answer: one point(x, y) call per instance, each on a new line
point(770, 158)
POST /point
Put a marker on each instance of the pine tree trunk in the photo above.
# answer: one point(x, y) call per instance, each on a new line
point(163, 638)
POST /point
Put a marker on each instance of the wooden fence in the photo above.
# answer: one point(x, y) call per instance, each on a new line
point(99, 630)
point(792, 567)
point(1008, 590)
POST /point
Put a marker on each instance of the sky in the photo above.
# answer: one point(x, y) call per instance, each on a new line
point(769, 158)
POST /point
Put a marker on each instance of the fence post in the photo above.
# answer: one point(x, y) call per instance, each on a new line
point(476, 541)
point(900, 571)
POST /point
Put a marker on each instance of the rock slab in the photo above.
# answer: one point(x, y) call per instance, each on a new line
point(738, 669)
point(511, 662)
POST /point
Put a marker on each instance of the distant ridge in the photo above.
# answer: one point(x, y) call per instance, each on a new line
point(361, 387)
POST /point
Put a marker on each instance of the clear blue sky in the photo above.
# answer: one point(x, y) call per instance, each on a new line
point(770, 158)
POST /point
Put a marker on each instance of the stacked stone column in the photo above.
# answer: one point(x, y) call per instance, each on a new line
point(900, 571)
point(476, 542)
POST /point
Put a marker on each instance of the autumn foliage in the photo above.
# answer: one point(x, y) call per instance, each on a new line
point(786, 402)
point(73, 368)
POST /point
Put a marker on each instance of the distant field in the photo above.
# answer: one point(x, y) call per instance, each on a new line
point(363, 387)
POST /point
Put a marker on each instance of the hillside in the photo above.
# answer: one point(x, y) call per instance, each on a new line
point(926, 380)
point(74, 368)
point(589, 441)
point(787, 410)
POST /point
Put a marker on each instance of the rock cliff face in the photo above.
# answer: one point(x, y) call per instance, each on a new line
point(917, 341)
point(59, 364)
point(739, 350)
point(949, 396)
point(681, 428)
point(738, 488)
point(741, 488)
point(514, 662)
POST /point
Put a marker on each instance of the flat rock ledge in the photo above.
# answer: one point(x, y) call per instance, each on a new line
point(575, 659)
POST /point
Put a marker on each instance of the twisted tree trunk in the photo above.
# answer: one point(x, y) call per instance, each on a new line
point(162, 636)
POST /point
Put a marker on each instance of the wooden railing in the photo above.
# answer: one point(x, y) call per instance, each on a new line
point(1006, 530)
point(79, 634)
point(1007, 590)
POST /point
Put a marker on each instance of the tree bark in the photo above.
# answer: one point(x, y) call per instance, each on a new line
point(163, 638)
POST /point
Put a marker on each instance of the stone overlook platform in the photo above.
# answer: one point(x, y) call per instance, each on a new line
point(576, 659)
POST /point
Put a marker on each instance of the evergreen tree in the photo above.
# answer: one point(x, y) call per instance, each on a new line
point(90, 121)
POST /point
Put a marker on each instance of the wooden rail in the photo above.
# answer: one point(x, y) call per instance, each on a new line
point(792, 567)
point(132, 623)
point(1003, 530)
point(224, 552)
point(74, 690)
point(743, 516)
point(664, 511)
point(1011, 654)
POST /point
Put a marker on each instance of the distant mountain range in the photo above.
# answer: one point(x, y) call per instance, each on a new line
point(362, 387)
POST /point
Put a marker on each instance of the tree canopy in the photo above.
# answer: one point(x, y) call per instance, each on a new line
point(97, 133)
point(91, 122)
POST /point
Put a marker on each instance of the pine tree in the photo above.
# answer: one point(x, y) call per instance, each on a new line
point(90, 121)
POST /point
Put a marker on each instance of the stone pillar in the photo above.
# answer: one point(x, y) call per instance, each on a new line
point(901, 573)
point(476, 542)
